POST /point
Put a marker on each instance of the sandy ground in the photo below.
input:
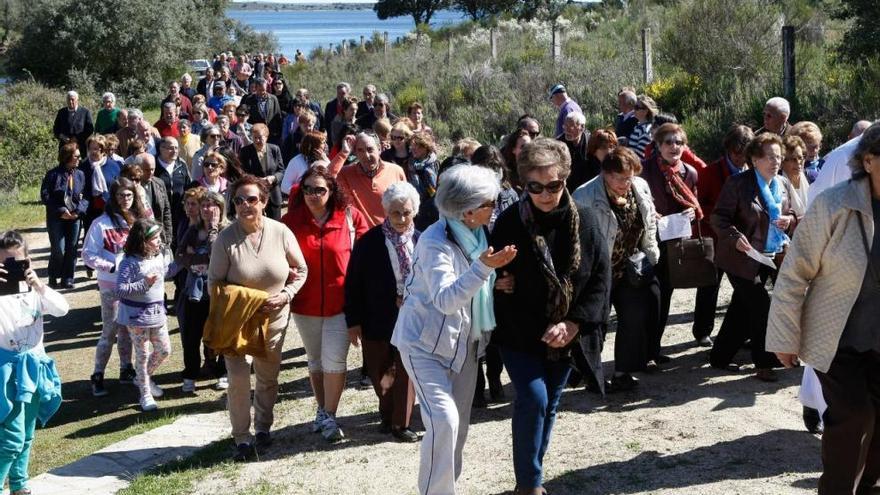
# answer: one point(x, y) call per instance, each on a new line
point(686, 430)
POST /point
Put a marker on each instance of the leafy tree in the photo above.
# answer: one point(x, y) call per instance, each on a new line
point(480, 9)
point(548, 10)
point(420, 10)
point(129, 46)
point(862, 40)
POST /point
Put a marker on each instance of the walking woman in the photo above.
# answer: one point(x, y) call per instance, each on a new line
point(754, 213)
point(102, 251)
point(447, 315)
point(256, 252)
point(193, 255)
point(625, 210)
point(554, 291)
point(835, 260)
point(374, 285)
point(326, 227)
point(62, 191)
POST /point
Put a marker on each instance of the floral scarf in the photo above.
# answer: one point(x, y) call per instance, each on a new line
point(400, 250)
point(680, 191)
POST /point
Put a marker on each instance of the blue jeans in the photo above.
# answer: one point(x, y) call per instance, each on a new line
point(538, 384)
point(63, 238)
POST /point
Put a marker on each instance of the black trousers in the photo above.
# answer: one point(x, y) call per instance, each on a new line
point(494, 366)
point(704, 309)
point(746, 318)
point(851, 441)
point(638, 310)
point(192, 326)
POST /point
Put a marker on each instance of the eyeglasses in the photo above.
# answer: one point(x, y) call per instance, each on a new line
point(210, 165)
point(397, 138)
point(124, 195)
point(250, 200)
point(551, 187)
point(673, 142)
point(314, 190)
point(216, 136)
point(488, 204)
point(534, 134)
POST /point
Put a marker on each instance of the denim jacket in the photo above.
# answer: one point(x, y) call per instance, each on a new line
point(436, 313)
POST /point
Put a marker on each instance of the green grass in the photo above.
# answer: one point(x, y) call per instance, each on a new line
point(22, 209)
point(180, 476)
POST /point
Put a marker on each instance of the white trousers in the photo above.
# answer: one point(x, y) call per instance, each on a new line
point(445, 400)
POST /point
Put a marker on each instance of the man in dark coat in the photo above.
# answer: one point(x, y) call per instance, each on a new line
point(73, 122)
point(157, 195)
point(263, 159)
point(265, 109)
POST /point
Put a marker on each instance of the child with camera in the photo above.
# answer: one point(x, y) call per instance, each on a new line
point(29, 383)
point(141, 290)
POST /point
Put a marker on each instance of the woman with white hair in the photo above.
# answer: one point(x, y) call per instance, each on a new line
point(108, 115)
point(446, 316)
point(377, 271)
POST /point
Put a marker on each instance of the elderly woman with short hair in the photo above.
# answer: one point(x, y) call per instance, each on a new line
point(106, 122)
point(447, 315)
point(554, 291)
point(374, 288)
point(576, 137)
point(824, 313)
point(793, 169)
point(811, 135)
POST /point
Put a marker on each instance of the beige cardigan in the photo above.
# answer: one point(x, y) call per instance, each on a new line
point(821, 275)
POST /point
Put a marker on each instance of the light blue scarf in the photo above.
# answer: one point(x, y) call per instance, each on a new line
point(771, 194)
point(474, 242)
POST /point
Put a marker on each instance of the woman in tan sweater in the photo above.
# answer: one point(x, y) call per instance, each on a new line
point(258, 253)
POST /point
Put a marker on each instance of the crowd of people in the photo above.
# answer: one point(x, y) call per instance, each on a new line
point(510, 257)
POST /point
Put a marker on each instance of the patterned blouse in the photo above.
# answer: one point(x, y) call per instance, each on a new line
point(630, 227)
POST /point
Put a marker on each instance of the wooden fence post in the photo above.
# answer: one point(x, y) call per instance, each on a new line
point(555, 42)
point(385, 43)
point(449, 51)
point(344, 48)
point(788, 68)
point(648, 65)
point(493, 43)
point(363, 46)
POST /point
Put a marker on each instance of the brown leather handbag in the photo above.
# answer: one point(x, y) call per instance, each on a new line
point(691, 262)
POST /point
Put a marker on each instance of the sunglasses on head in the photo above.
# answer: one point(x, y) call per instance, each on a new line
point(551, 187)
point(250, 200)
point(314, 190)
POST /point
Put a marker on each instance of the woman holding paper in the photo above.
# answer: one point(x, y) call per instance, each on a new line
point(753, 219)
point(673, 186)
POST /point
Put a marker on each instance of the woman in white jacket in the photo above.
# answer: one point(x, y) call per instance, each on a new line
point(102, 252)
point(447, 313)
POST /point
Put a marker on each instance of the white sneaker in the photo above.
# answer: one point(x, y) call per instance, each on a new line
point(148, 403)
point(320, 416)
point(330, 430)
point(189, 386)
point(222, 383)
point(156, 390)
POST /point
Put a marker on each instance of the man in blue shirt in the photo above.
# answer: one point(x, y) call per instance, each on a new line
point(566, 105)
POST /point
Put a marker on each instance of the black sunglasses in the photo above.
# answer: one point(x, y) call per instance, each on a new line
point(552, 187)
point(314, 190)
point(210, 165)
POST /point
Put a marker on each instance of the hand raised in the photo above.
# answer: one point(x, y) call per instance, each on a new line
point(496, 260)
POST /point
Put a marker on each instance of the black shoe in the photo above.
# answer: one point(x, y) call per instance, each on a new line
point(90, 273)
point(262, 442)
point(243, 452)
point(53, 284)
point(496, 392)
point(385, 427)
point(661, 359)
point(574, 379)
point(480, 400)
point(652, 367)
point(67, 284)
point(98, 389)
point(732, 367)
point(127, 375)
point(622, 383)
point(812, 420)
point(592, 387)
point(704, 341)
point(404, 435)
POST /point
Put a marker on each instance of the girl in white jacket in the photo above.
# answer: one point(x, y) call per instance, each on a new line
point(102, 252)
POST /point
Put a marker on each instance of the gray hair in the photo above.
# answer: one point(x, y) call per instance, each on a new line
point(370, 87)
point(576, 118)
point(108, 96)
point(168, 104)
point(859, 127)
point(368, 135)
point(72, 94)
point(381, 98)
point(205, 130)
point(145, 158)
point(186, 76)
point(344, 85)
point(464, 187)
point(780, 104)
point(868, 144)
point(400, 193)
point(135, 112)
point(630, 97)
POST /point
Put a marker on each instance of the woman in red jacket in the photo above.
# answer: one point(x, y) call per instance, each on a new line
point(326, 228)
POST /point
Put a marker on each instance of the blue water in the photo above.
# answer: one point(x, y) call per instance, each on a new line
point(308, 29)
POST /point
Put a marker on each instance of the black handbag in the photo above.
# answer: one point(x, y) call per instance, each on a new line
point(692, 262)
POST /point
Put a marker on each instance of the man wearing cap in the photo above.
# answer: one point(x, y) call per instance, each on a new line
point(265, 109)
point(566, 105)
point(219, 97)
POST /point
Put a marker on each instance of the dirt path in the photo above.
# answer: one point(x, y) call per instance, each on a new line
point(688, 429)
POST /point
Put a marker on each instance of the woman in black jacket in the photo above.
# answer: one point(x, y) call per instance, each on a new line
point(374, 283)
point(62, 191)
point(556, 289)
